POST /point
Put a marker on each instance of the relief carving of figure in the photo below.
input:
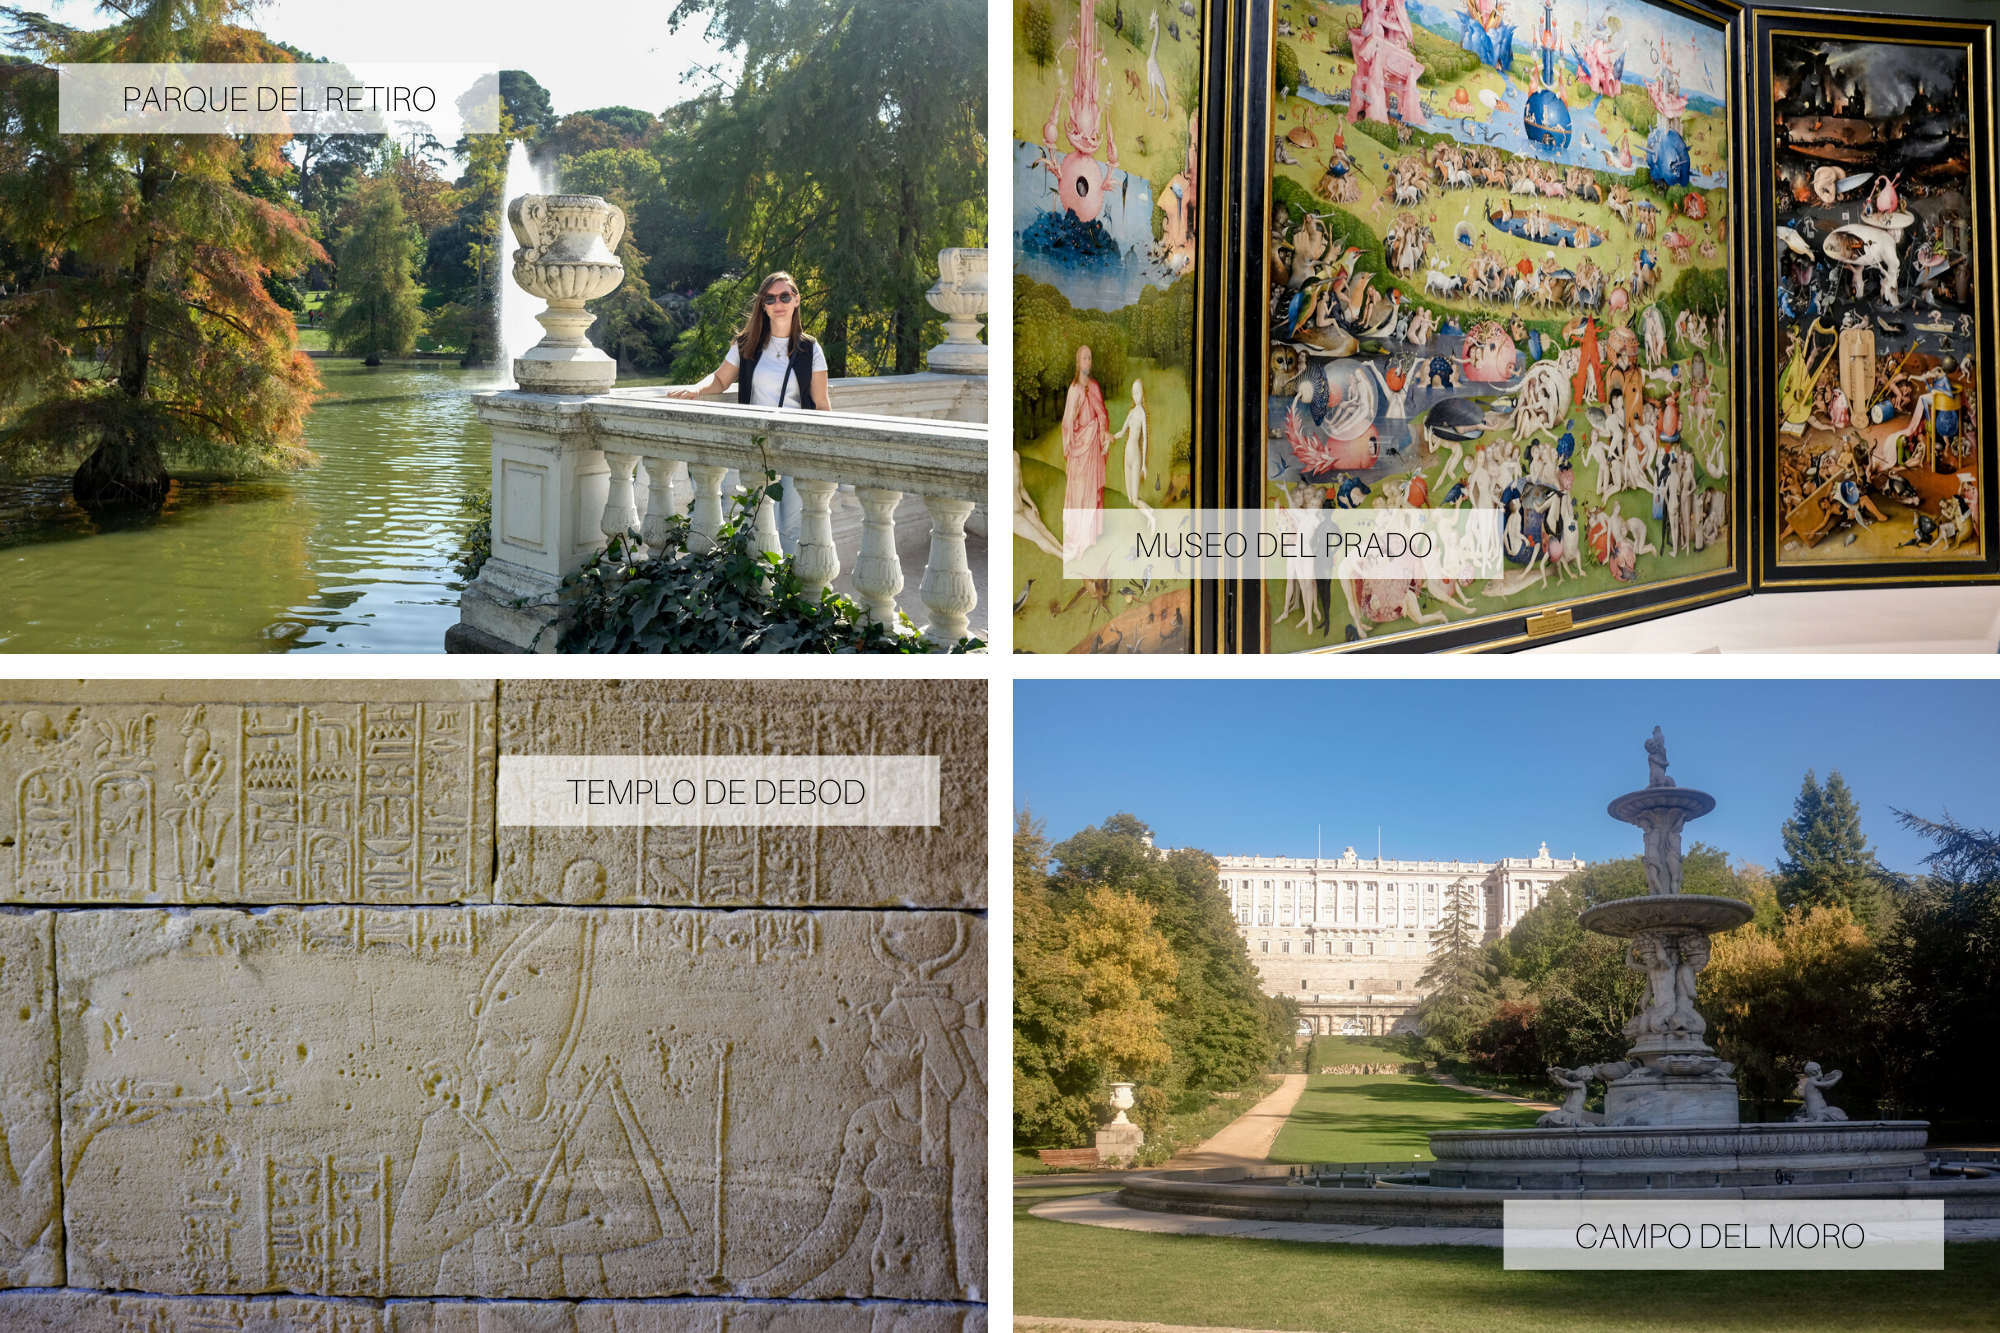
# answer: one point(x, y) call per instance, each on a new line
point(907, 1216)
point(530, 1172)
point(1811, 1089)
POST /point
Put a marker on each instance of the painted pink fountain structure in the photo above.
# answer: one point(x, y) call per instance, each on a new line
point(1084, 112)
point(1383, 65)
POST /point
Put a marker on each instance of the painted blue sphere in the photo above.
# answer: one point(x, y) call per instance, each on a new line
point(1547, 120)
point(1667, 157)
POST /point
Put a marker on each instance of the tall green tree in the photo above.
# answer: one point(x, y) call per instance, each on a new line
point(1457, 1001)
point(850, 152)
point(467, 259)
point(525, 103)
point(146, 333)
point(1827, 860)
point(631, 325)
point(375, 309)
point(1943, 988)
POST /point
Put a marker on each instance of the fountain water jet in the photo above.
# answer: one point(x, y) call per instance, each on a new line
point(518, 328)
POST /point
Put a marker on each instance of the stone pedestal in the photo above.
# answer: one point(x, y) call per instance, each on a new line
point(960, 295)
point(1120, 1142)
point(1648, 1097)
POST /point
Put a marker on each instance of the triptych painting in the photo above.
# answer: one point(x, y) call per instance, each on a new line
point(1683, 299)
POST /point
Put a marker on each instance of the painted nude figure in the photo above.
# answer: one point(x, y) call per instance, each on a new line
point(1137, 438)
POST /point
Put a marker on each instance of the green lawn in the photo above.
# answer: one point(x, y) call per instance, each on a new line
point(1061, 1269)
point(1383, 1118)
point(1364, 1051)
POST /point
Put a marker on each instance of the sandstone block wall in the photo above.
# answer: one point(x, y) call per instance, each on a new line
point(282, 1011)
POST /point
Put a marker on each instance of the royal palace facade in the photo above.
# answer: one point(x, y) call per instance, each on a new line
point(1349, 937)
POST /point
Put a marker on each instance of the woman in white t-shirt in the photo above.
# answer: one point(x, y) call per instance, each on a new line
point(788, 370)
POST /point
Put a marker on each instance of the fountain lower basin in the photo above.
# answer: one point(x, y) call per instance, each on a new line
point(1601, 1157)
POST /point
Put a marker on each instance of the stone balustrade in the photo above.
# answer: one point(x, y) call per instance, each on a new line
point(570, 471)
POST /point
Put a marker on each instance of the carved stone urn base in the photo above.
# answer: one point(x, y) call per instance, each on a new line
point(565, 361)
point(582, 370)
point(1649, 1096)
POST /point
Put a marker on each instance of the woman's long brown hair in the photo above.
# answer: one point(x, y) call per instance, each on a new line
point(756, 330)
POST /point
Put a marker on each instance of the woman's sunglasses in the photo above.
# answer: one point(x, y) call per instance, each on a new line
point(778, 298)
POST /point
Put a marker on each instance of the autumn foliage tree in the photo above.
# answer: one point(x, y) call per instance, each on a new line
point(1807, 990)
point(1090, 977)
point(145, 332)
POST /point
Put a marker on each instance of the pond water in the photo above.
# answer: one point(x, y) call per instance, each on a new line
point(353, 555)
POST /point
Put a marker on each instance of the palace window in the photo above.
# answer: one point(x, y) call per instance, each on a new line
point(1286, 947)
point(1263, 946)
point(1309, 947)
point(1399, 985)
point(1350, 946)
point(1350, 985)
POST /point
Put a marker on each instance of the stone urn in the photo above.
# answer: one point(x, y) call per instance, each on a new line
point(568, 255)
point(1119, 1142)
point(961, 297)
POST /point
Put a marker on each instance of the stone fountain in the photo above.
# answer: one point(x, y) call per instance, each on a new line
point(1670, 1128)
point(1671, 1086)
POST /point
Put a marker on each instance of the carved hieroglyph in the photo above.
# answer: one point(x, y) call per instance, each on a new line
point(524, 1102)
point(943, 866)
point(30, 1221)
point(105, 1312)
point(246, 792)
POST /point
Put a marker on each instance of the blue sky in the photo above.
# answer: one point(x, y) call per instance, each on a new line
point(641, 65)
point(1484, 769)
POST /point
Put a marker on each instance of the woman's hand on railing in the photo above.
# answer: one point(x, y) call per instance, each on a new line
point(687, 391)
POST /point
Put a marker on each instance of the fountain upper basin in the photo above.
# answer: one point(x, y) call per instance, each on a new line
point(1695, 911)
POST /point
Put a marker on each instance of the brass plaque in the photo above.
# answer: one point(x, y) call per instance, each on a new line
point(1549, 622)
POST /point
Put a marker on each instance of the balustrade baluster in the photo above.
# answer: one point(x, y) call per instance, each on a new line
point(706, 518)
point(817, 563)
point(667, 494)
point(621, 511)
point(878, 574)
point(947, 589)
